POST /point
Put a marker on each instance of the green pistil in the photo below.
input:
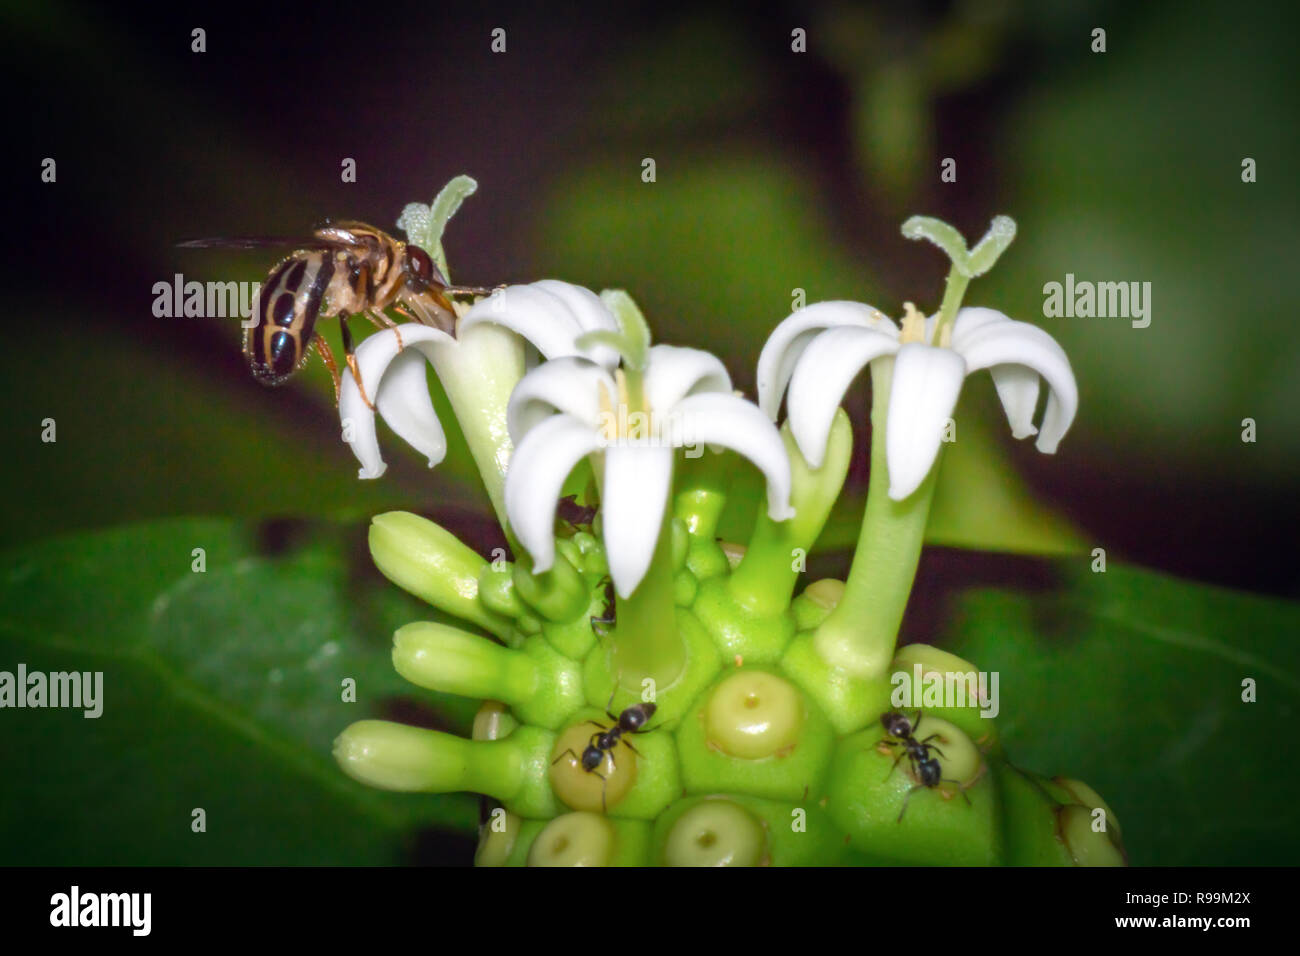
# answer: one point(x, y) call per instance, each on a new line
point(424, 225)
point(966, 264)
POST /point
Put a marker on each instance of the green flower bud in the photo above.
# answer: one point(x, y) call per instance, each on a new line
point(685, 588)
point(816, 602)
point(432, 563)
point(559, 594)
point(496, 591)
point(540, 684)
point(1087, 845)
point(961, 683)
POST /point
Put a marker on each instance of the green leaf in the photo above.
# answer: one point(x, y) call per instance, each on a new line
point(1132, 682)
point(144, 435)
point(222, 690)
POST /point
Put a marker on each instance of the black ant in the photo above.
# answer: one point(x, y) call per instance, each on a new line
point(609, 617)
point(924, 767)
point(575, 516)
point(603, 741)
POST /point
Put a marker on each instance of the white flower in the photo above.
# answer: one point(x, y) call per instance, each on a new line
point(818, 351)
point(396, 381)
point(550, 314)
point(568, 408)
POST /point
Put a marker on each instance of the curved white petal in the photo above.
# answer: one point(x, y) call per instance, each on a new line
point(824, 372)
point(569, 385)
point(633, 499)
point(1018, 390)
point(587, 308)
point(550, 314)
point(926, 383)
point(396, 382)
point(673, 372)
point(972, 319)
point(1021, 344)
point(788, 340)
point(733, 422)
point(538, 468)
point(1017, 387)
point(591, 314)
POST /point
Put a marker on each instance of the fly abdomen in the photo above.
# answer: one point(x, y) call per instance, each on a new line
point(288, 306)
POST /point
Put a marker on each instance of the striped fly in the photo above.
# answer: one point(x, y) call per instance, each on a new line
point(346, 269)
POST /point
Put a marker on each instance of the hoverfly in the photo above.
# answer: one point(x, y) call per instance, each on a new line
point(348, 268)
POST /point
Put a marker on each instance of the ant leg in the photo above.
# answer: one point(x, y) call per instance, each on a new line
point(327, 357)
point(351, 353)
point(609, 713)
point(604, 784)
point(628, 744)
point(566, 753)
point(905, 799)
point(937, 750)
point(901, 755)
point(960, 789)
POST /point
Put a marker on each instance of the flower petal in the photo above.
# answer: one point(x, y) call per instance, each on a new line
point(733, 422)
point(673, 372)
point(541, 462)
point(922, 396)
point(824, 372)
point(633, 499)
point(972, 319)
point(396, 382)
point(551, 315)
point(1021, 344)
point(777, 361)
point(569, 385)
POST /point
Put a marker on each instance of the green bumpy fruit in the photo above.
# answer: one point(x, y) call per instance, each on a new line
point(758, 754)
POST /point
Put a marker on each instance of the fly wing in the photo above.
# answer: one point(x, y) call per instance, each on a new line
point(260, 242)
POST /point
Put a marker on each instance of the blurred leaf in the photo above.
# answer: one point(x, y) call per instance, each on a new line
point(141, 434)
point(1132, 682)
point(1126, 166)
point(221, 690)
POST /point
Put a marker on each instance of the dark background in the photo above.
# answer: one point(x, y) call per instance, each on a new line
point(775, 170)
